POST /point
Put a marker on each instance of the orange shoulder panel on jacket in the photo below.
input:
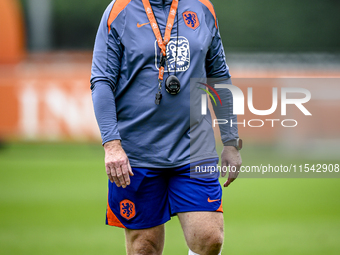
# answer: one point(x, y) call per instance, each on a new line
point(117, 7)
point(209, 5)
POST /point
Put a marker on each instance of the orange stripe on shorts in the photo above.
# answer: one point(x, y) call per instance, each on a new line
point(112, 219)
point(220, 209)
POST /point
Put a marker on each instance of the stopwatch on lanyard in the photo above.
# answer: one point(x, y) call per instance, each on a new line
point(172, 83)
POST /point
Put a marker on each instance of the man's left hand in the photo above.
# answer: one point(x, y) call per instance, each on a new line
point(231, 157)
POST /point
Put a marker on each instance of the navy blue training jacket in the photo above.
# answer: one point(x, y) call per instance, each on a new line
point(124, 82)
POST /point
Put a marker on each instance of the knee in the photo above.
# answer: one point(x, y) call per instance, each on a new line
point(145, 247)
point(208, 243)
point(145, 241)
point(142, 245)
point(213, 244)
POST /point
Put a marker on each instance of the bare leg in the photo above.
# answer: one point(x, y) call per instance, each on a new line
point(203, 231)
point(148, 241)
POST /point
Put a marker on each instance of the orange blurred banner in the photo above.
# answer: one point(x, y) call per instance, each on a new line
point(47, 97)
point(12, 42)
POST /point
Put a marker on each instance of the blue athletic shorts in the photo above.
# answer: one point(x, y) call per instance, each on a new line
point(156, 194)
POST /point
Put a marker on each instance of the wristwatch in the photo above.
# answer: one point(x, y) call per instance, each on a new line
point(237, 143)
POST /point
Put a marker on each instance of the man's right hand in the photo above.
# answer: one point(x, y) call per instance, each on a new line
point(117, 164)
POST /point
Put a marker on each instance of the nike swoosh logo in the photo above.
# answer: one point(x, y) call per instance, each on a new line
point(215, 200)
point(140, 25)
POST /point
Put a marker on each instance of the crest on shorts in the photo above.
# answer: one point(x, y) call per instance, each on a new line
point(127, 209)
point(191, 19)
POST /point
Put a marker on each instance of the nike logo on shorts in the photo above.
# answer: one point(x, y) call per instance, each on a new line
point(140, 25)
point(215, 200)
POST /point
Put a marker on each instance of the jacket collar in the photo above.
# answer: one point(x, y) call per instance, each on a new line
point(160, 2)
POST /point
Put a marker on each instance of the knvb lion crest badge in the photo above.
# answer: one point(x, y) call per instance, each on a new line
point(127, 209)
point(191, 19)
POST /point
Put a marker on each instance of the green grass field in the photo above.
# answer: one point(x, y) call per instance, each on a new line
point(53, 201)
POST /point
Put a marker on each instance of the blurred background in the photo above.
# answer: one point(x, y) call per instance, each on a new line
point(53, 183)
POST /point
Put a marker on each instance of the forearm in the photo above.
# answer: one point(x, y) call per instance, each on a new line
point(105, 111)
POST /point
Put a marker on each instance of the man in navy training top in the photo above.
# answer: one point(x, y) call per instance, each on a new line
point(152, 140)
